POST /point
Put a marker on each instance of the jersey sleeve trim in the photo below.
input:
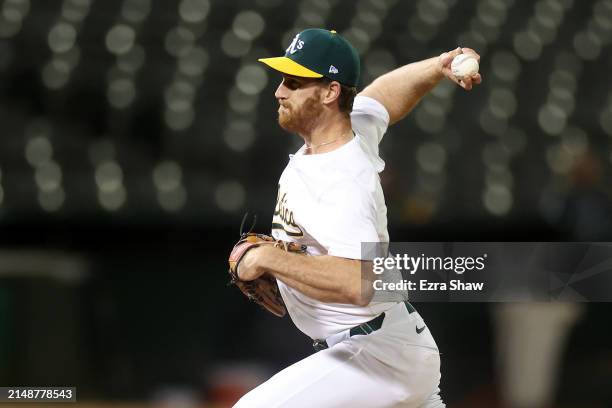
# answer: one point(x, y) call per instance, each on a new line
point(370, 106)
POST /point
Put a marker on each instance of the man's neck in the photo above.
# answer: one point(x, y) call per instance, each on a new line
point(329, 135)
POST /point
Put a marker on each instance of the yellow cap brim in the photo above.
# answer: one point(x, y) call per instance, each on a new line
point(289, 67)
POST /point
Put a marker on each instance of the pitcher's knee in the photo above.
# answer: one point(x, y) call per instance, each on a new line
point(253, 399)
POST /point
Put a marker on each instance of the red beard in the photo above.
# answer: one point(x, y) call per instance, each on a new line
point(301, 120)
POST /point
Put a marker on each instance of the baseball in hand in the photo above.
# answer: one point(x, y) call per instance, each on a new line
point(464, 65)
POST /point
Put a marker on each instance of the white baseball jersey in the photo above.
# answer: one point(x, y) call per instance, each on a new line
point(332, 202)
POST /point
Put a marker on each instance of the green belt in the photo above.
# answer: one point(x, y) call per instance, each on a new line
point(364, 328)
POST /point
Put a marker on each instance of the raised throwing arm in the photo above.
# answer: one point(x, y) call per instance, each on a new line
point(401, 89)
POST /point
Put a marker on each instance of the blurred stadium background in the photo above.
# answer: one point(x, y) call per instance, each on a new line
point(136, 133)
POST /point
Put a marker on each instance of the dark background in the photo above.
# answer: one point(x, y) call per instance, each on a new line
point(136, 133)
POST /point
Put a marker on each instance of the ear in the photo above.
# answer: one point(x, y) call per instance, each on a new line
point(331, 93)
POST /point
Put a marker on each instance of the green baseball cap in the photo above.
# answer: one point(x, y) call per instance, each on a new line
point(317, 53)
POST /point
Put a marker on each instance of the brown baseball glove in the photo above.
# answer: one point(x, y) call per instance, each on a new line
point(263, 290)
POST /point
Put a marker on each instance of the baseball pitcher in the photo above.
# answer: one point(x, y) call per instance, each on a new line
point(330, 200)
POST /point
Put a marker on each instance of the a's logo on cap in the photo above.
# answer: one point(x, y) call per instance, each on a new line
point(295, 45)
point(333, 70)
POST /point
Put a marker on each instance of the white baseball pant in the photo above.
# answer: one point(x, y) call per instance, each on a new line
point(392, 367)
